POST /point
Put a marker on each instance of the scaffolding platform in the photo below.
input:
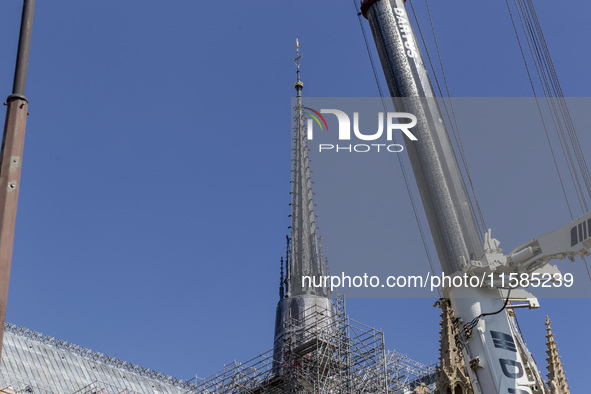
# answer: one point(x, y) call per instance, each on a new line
point(336, 354)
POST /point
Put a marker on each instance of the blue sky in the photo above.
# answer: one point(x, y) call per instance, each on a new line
point(155, 186)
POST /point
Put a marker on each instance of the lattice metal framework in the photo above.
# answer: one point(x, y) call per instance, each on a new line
point(334, 355)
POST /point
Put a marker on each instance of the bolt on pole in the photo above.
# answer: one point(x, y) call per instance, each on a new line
point(11, 156)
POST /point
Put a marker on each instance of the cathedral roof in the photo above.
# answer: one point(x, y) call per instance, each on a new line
point(37, 363)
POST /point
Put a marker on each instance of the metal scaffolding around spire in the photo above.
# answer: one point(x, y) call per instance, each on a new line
point(324, 352)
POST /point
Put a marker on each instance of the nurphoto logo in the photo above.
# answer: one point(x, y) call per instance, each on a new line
point(345, 134)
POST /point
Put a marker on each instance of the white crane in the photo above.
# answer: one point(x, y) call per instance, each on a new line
point(498, 359)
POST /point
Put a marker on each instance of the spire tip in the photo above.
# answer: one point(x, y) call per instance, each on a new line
point(299, 84)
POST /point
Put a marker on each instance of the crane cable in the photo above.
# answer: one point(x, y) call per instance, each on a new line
point(543, 64)
point(539, 110)
point(552, 89)
point(558, 93)
point(564, 108)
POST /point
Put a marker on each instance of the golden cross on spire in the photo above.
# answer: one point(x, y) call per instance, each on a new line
point(298, 55)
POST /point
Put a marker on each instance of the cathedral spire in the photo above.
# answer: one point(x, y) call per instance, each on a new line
point(305, 259)
point(556, 377)
point(300, 304)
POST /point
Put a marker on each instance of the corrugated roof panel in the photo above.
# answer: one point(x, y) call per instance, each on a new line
point(47, 365)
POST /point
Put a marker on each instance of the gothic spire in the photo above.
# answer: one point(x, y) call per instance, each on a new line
point(556, 377)
point(305, 258)
point(451, 372)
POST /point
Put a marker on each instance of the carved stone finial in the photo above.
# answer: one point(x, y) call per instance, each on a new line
point(452, 370)
point(556, 377)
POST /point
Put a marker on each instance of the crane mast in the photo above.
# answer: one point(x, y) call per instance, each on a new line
point(496, 353)
point(11, 156)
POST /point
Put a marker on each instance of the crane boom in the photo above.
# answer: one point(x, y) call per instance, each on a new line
point(495, 352)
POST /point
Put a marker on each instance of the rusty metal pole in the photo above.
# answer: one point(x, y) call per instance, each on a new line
point(11, 155)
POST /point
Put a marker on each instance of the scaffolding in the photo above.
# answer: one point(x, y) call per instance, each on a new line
point(335, 354)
